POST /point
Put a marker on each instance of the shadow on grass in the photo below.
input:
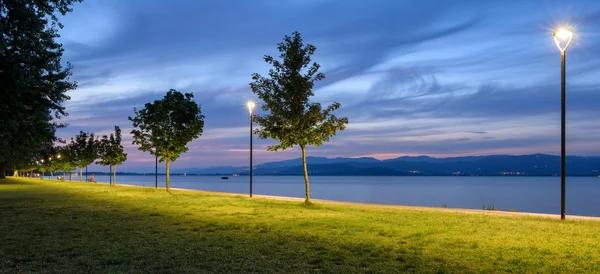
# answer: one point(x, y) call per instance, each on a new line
point(18, 181)
point(66, 230)
point(65, 227)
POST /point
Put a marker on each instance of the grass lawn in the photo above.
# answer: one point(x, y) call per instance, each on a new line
point(82, 227)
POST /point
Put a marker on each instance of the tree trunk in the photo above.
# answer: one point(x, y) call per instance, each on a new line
point(2, 170)
point(80, 174)
point(114, 175)
point(16, 173)
point(168, 184)
point(51, 175)
point(306, 184)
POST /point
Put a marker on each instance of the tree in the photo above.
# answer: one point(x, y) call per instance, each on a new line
point(293, 119)
point(165, 127)
point(85, 150)
point(47, 159)
point(65, 160)
point(111, 151)
point(33, 81)
point(22, 168)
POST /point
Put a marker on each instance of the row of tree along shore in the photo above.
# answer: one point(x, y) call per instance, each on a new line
point(34, 85)
point(83, 150)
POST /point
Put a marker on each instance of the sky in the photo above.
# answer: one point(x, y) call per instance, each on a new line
point(437, 78)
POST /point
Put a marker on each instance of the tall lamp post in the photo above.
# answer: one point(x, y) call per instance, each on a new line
point(110, 169)
point(562, 38)
point(50, 165)
point(251, 105)
point(63, 172)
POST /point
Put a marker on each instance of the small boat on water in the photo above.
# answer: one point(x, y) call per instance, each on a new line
point(225, 178)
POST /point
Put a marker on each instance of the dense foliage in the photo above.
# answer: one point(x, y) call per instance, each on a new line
point(111, 151)
point(84, 148)
point(166, 126)
point(33, 82)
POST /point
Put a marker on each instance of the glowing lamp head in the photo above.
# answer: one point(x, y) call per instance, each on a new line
point(250, 105)
point(42, 160)
point(562, 38)
point(58, 156)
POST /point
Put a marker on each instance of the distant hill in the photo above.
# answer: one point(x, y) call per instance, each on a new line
point(316, 161)
point(494, 165)
point(212, 170)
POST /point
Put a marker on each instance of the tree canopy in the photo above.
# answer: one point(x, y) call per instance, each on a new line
point(111, 151)
point(166, 126)
point(291, 117)
point(33, 81)
point(84, 149)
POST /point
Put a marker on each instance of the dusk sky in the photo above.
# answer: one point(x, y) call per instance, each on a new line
point(437, 78)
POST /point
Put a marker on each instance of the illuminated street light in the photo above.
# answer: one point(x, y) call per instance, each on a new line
point(562, 38)
point(250, 105)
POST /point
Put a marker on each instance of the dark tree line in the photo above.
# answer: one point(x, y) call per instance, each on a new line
point(83, 150)
point(33, 82)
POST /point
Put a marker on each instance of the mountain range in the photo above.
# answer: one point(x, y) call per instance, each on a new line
point(493, 165)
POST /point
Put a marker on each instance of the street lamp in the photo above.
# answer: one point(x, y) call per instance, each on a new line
point(42, 161)
point(562, 38)
point(38, 164)
point(110, 170)
point(50, 166)
point(251, 105)
point(63, 172)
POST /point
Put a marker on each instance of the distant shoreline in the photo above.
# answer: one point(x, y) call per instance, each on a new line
point(311, 175)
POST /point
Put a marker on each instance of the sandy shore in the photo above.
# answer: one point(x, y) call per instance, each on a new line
point(404, 207)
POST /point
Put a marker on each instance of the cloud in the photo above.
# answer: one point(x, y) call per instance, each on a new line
point(442, 78)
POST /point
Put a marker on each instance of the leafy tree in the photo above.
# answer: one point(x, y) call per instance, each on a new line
point(53, 165)
point(292, 118)
point(165, 127)
point(84, 148)
point(33, 81)
point(47, 159)
point(111, 151)
point(42, 168)
point(65, 160)
point(23, 168)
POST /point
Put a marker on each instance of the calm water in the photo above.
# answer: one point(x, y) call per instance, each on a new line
point(526, 194)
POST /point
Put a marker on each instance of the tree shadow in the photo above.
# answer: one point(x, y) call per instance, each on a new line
point(103, 229)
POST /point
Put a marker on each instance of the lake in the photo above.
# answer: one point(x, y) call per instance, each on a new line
point(525, 194)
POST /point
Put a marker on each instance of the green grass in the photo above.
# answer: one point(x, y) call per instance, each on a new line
point(81, 227)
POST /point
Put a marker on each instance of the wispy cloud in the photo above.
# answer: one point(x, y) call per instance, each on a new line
point(442, 78)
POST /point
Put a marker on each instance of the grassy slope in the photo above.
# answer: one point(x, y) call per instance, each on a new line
point(62, 226)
